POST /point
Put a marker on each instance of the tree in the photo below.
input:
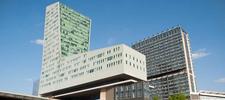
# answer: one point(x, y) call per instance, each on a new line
point(155, 98)
point(172, 97)
point(179, 96)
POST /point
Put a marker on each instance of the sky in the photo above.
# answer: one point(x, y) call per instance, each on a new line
point(113, 22)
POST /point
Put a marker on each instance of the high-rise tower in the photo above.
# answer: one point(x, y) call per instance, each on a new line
point(168, 62)
point(66, 32)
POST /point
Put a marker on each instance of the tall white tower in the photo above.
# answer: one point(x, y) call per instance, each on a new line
point(66, 33)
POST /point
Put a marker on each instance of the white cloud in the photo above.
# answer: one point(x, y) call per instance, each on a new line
point(199, 54)
point(221, 80)
point(38, 41)
point(110, 41)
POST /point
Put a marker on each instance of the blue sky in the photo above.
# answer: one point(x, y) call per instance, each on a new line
point(113, 22)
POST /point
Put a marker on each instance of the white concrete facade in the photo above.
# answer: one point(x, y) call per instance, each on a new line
point(51, 46)
point(97, 65)
point(208, 95)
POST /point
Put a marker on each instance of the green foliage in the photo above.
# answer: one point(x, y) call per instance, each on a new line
point(155, 98)
point(179, 96)
point(172, 97)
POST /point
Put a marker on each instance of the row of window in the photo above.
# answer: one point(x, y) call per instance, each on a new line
point(131, 91)
point(114, 63)
point(94, 69)
point(115, 49)
point(64, 7)
point(95, 63)
point(158, 37)
point(135, 59)
point(135, 66)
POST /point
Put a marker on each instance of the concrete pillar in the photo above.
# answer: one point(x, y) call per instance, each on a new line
point(107, 93)
point(103, 94)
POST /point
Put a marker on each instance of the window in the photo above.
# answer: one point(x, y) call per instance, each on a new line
point(109, 58)
point(109, 51)
point(99, 55)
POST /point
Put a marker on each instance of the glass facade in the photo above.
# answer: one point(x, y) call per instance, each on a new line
point(75, 31)
point(135, 91)
point(168, 62)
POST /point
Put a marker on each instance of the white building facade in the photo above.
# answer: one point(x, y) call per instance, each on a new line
point(97, 65)
point(208, 95)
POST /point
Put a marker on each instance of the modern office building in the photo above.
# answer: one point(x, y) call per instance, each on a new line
point(66, 32)
point(168, 62)
point(35, 87)
point(70, 71)
point(95, 68)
